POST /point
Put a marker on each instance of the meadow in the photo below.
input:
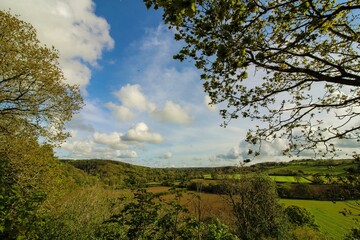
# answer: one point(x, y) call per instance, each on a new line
point(328, 214)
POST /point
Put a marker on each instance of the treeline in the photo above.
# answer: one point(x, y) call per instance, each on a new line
point(123, 175)
point(119, 175)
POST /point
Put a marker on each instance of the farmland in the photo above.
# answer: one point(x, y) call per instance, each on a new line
point(328, 215)
point(300, 183)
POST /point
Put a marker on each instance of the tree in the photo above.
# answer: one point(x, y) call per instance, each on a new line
point(28, 174)
point(257, 212)
point(353, 234)
point(150, 217)
point(34, 98)
point(34, 105)
point(299, 216)
point(304, 55)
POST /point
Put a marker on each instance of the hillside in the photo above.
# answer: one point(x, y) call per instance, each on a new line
point(123, 175)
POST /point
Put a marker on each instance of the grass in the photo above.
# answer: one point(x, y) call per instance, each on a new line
point(207, 176)
point(311, 169)
point(289, 179)
point(327, 215)
point(282, 179)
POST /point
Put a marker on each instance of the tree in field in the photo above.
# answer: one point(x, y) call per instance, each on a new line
point(34, 98)
point(299, 216)
point(287, 63)
point(255, 208)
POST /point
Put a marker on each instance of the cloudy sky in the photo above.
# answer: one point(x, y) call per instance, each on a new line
point(142, 106)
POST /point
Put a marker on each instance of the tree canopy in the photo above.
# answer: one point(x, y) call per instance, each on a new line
point(34, 98)
point(287, 63)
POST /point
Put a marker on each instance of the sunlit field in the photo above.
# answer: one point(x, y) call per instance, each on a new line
point(327, 213)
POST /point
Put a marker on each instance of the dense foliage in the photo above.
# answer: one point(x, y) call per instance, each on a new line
point(255, 207)
point(289, 64)
point(34, 105)
point(147, 217)
point(34, 98)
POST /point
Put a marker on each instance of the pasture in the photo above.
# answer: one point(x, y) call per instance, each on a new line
point(289, 179)
point(327, 214)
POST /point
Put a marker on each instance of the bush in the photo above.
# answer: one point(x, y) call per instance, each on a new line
point(306, 233)
point(299, 216)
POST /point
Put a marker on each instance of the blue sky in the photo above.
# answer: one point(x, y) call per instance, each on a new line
point(142, 106)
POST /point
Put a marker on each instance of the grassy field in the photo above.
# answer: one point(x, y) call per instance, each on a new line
point(289, 179)
point(327, 214)
point(281, 179)
point(311, 169)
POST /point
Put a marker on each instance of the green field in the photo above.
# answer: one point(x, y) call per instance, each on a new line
point(207, 176)
point(281, 179)
point(289, 179)
point(327, 215)
point(311, 168)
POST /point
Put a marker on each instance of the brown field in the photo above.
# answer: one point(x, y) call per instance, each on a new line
point(202, 205)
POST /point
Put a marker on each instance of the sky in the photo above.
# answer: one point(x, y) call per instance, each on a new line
point(142, 107)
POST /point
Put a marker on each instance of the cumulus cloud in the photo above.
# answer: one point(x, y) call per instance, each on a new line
point(273, 150)
point(82, 149)
point(79, 148)
point(71, 27)
point(121, 113)
point(233, 153)
point(141, 133)
point(173, 113)
point(112, 140)
point(132, 97)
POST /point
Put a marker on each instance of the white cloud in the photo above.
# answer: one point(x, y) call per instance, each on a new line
point(71, 27)
point(79, 148)
point(121, 113)
point(233, 153)
point(132, 97)
point(275, 148)
point(141, 133)
point(269, 151)
point(112, 140)
point(173, 113)
point(75, 72)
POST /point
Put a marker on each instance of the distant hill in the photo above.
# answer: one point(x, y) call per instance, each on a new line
point(118, 174)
